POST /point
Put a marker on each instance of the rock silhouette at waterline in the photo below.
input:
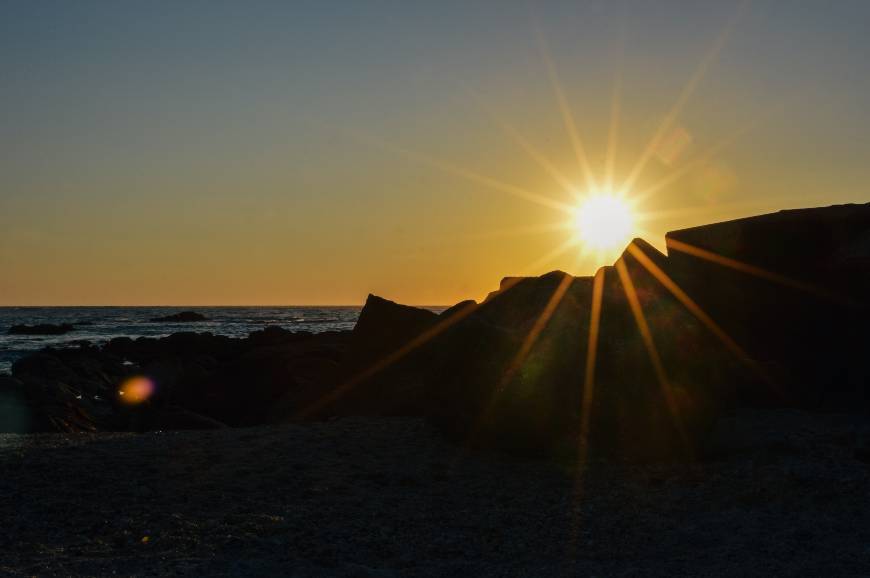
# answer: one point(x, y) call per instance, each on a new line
point(764, 311)
point(637, 362)
point(181, 317)
point(41, 329)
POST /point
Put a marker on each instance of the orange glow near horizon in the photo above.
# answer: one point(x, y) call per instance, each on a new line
point(424, 176)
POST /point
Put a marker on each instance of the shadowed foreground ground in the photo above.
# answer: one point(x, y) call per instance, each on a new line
point(376, 497)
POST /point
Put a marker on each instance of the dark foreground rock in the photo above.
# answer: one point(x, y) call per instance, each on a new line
point(190, 381)
point(182, 317)
point(768, 311)
point(389, 497)
point(41, 329)
point(369, 380)
point(638, 362)
point(792, 288)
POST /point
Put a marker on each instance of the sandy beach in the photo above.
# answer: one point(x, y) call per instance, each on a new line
point(786, 492)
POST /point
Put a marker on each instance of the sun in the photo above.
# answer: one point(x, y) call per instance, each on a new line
point(603, 222)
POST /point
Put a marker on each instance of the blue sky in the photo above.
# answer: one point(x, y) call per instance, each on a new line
point(221, 152)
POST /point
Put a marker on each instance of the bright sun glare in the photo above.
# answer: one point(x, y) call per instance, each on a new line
point(604, 222)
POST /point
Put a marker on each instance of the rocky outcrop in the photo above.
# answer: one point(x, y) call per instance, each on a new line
point(770, 312)
point(194, 381)
point(381, 374)
point(518, 374)
point(638, 362)
point(792, 289)
point(182, 317)
point(41, 329)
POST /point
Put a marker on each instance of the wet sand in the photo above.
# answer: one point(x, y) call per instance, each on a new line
point(788, 494)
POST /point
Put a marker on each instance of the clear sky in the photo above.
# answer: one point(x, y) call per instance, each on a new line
point(313, 152)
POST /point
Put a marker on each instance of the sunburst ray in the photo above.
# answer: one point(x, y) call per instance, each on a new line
point(563, 248)
point(689, 303)
point(536, 330)
point(536, 155)
point(522, 353)
point(675, 175)
point(583, 441)
point(520, 231)
point(758, 272)
point(613, 127)
point(685, 94)
point(591, 358)
point(649, 343)
point(381, 364)
point(470, 175)
point(565, 110)
point(706, 211)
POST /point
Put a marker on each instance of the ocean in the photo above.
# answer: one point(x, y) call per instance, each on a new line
point(100, 324)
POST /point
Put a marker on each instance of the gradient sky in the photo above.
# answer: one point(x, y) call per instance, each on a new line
point(275, 153)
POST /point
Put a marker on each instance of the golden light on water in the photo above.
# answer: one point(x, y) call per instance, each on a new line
point(136, 389)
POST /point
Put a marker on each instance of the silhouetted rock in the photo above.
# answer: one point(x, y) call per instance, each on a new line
point(198, 380)
point(680, 340)
point(69, 389)
point(513, 373)
point(461, 308)
point(273, 335)
point(384, 325)
point(373, 379)
point(791, 289)
point(182, 317)
point(41, 329)
point(762, 311)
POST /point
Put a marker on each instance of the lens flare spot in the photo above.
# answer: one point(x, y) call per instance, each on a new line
point(604, 222)
point(136, 390)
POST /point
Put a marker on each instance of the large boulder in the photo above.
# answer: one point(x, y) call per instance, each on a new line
point(791, 288)
point(193, 379)
point(768, 310)
point(181, 344)
point(510, 373)
point(661, 378)
point(70, 390)
point(382, 372)
point(514, 373)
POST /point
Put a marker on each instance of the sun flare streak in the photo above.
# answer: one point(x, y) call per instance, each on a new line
point(523, 352)
point(591, 357)
point(758, 272)
point(565, 109)
point(537, 156)
point(470, 175)
point(685, 95)
point(689, 303)
point(386, 361)
point(649, 343)
point(535, 332)
point(586, 402)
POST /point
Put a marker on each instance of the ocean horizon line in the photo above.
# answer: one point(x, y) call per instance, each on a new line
point(346, 305)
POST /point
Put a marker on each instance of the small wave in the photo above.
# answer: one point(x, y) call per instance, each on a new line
point(108, 323)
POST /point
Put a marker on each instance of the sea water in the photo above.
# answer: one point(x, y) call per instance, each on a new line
point(97, 325)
